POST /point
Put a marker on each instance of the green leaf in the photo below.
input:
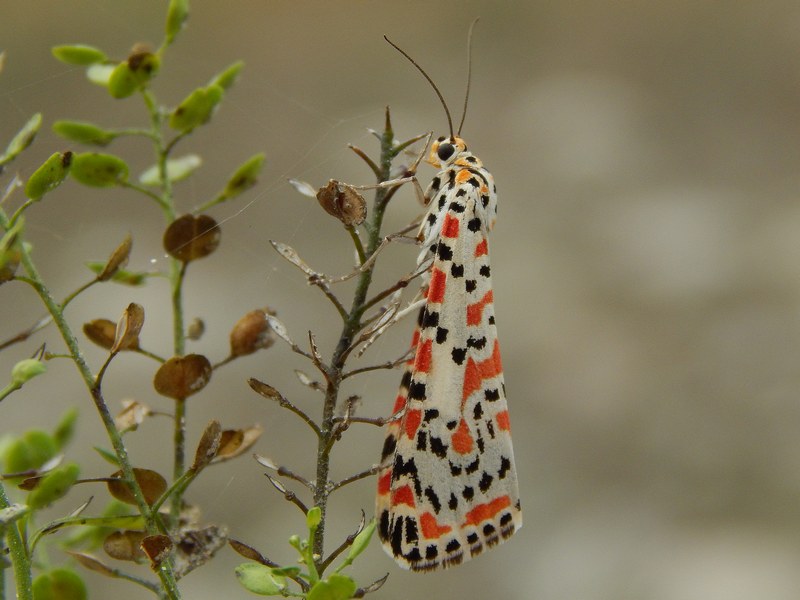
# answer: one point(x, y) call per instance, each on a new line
point(85, 133)
point(59, 584)
point(335, 587)
point(177, 170)
point(196, 108)
point(177, 13)
point(49, 176)
point(30, 451)
point(100, 74)
point(66, 428)
point(228, 77)
point(361, 542)
point(99, 170)
point(245, 176)
point(313, 518)
point(122, 276)
point(22, 139)
point(79, 54)
point(108, 455)
point(25, 370)
point(53, 486)
point(260, 579)
point(122, 82)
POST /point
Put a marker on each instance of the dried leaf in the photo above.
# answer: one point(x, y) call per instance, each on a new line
point(291, 255)
point(251, 333)
point(132, 415)
point(125, 545)
point(249, 553)
point(128, 328)
point(90, 562)
point(265, 390)
point(307, 381)
point(280, 329)
point(182, 376)
point(152, 484)
point(208, 446)
point(343, 201)
point(303, 187)
point(188, 237)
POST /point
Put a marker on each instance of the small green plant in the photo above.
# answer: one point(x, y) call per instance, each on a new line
point(146, 518)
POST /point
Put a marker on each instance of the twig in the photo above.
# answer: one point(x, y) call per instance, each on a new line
point(362, 475)
point(348, 541)
point(387, 365)
point(287, 493)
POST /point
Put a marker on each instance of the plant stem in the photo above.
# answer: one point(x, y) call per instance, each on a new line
point(19, 557)
point(351, 326)
point(165, 573)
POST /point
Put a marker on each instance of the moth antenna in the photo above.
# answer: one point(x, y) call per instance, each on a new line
point(469, 74)
point(435, 89)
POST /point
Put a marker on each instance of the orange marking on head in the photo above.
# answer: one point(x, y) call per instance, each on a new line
point(482, 248)
point(462, 439)
point(503, 422)
point(403, 495)
point(422, 362)
point(450, 227)
point(484, 512)
point(436, 288)
point(412, 420)
point(475, 311)
point(484, 189)
point(463, 176)
point(431, 530)
point(385, 483)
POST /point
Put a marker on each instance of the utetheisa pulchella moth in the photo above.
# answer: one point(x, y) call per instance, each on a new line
point(447, 488)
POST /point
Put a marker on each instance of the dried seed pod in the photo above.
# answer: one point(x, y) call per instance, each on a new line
point(126, 336)
point(235, 442)
point(125, 545)
point(189, 238)
point(182, 376)
point(208, 446)
point(152, 484)
point(252, 332)
point(343, 202)
point(157, 548)
point(117, 260)
point(101, 331)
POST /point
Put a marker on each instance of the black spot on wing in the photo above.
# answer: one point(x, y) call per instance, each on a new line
point(441, 335)
point(431, 552)
point(456, 270)
point(405, 380)
point(505, 467)
point(430, 415)
point(473, 466)
point(438, 447)
point(459, 354)
point(452, 504)
point(485, 271)
point(452, 546)
point(433, 499)
point(416, 391)
point(461, 192)
point(442, 200)
point(457, 207)
point(445, 252)
point(422, 441)
point(477, 343)
point(470, 285)
point(477, 411)
point(486, 482)
point(468, 493)
point(431, 218)
point(431, 319)
point(389, 445)
point(491, 395)
point(474, 224)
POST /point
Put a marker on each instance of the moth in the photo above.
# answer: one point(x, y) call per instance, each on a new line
point(447, 486)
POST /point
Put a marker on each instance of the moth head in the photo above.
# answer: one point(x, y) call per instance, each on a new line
point(446, 151)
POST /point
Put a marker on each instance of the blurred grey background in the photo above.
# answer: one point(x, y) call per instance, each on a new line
point(646, 265)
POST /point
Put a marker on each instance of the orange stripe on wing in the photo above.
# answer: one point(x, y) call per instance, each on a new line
point(484, 512)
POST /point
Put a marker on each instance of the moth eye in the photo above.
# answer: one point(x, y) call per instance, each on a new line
point(445, 151)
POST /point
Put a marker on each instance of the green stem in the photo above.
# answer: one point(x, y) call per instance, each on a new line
point(19, 556)
point(350, 328)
